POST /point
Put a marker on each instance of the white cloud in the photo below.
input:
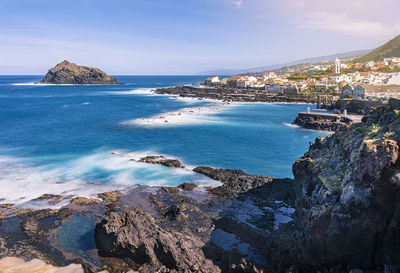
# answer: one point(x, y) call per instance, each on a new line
point(376, 19)
point(238, 3)
point(345, 24)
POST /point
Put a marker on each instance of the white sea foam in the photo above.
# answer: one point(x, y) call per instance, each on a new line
point(184, 116)
point(86, 176)
point(38, 84)
point(52, 84)
point(21, 182)
point(137, 155)
point(291, 125)
point(143, 91)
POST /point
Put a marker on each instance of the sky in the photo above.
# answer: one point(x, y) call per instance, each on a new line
point(184, 37)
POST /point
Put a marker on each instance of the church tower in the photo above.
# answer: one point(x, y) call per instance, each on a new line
point(337, 66)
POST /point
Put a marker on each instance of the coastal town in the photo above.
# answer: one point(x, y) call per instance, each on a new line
point(370, 80)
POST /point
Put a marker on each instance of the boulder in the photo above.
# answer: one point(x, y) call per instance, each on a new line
point(137, 235)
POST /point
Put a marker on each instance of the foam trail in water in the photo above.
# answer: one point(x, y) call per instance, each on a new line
point(84, 176)
point(291, 125)
point(184, 116)
point(142, 91)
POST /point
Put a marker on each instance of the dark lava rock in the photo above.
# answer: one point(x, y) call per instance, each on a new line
point(70, 73)
point(52, 198)
point(110, 196)
point(187, 186)
point(235, 94)
point(136, 234)
point(348, 196)
point(162, 161)
point(323, 122)
point(84, 201)
point(235, 181)
point(169, 189)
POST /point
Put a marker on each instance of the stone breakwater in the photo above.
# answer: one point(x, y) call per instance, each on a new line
point(236, 95)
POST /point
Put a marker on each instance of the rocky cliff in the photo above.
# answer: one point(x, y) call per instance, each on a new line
point(70, 73)
point(348, 196)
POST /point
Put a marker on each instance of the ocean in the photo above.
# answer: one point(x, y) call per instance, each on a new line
point(79, 140)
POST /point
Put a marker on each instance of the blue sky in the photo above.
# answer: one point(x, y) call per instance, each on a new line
point(185, 36)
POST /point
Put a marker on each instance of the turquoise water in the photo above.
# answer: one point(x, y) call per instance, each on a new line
point(59, 139)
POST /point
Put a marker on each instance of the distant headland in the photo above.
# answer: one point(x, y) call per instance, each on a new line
point(70, 73)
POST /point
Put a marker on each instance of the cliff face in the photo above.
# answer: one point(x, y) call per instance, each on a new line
point(70, 73)
point(348, 195)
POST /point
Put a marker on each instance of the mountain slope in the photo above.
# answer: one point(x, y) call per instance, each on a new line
point(346, 55)
point(390, 49)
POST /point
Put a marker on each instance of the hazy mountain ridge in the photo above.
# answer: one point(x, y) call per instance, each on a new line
point(351, 54)
point(390, 49)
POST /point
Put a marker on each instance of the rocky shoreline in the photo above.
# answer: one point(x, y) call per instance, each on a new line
point(339, 214)
point(235, 95)
point(153, 229)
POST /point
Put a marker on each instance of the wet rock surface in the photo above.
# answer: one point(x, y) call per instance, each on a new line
point(235, 181)
point(324, 122)
point(215, 235)
point(159, 159)
point(136, 234)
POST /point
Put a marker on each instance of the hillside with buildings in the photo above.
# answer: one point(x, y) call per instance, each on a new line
point(390, 49)
point(289, 65)
point(370, 80)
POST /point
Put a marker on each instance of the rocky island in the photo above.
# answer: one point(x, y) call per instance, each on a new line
point(70, 73)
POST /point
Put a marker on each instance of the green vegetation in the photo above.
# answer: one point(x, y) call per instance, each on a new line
point(369, 131)
point(332, 183)
point(388, 135)
point(390, 49)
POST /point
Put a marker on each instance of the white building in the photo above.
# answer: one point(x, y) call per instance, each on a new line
point(394, 79)
point(213, 81)
point(341, 78)
point(370, 64)
point(337, 66)
point(247, 82)
point(372, 91)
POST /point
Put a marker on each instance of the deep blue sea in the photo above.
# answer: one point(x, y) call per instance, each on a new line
point(78, 140)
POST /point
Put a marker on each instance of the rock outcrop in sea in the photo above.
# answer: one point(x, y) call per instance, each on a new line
point(322, 121)
point(70, 73)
